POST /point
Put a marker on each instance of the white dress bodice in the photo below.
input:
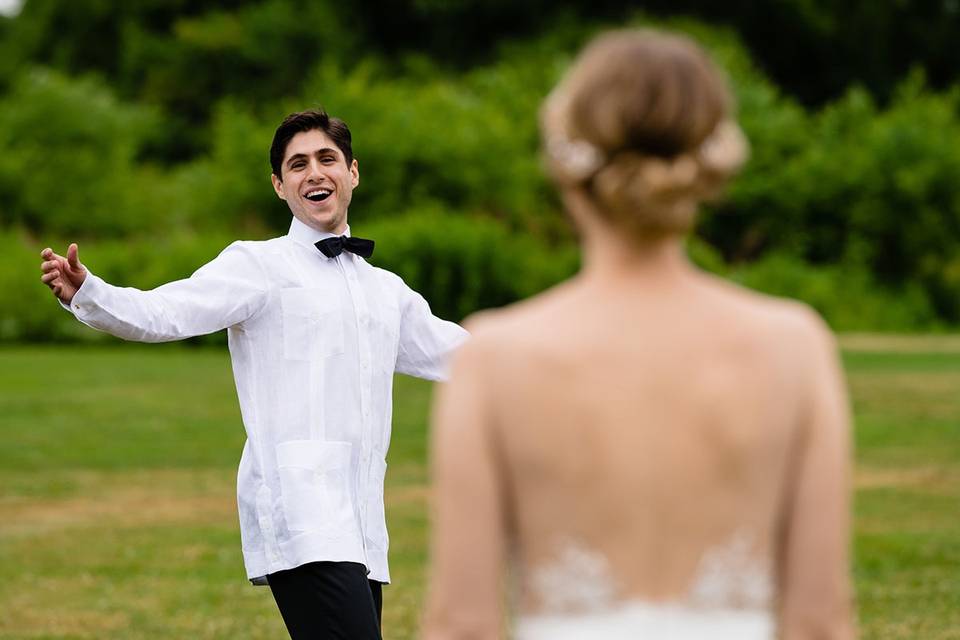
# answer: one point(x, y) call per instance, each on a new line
point(730, 598)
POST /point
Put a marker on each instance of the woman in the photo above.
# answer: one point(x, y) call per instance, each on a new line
point(652, 451)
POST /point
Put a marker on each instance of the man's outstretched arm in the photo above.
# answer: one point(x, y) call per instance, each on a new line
point(226, 291)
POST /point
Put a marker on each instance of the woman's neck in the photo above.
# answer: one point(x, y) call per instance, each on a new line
point(613, 257)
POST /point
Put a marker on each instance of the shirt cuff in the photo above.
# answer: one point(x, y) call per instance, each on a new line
point(82, 300)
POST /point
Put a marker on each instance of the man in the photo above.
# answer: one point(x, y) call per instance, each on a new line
point(315, 336)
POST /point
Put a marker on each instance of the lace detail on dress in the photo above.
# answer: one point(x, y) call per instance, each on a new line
point(581, 581)
point(578, 581)
point(731, 577)
point(729, 598)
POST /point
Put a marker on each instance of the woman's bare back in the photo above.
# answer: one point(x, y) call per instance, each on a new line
point(646, 437)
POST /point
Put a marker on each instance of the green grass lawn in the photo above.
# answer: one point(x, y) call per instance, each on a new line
point(118, 516)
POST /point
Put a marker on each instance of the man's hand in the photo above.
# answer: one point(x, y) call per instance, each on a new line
point(63, 275)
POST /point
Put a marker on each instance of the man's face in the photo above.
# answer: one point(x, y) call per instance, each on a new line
point(317, 182)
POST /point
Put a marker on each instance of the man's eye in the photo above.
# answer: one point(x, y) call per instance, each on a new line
point(327, 160)
point(297, 165)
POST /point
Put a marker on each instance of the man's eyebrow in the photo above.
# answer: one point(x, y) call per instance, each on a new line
point(296, 156)
point(302, 156)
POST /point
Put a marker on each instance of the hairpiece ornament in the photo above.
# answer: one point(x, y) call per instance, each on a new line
point(577, 158)
point(725, 149)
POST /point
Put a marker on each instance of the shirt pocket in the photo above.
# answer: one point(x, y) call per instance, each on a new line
point(312, 326)
point(376, 521)
point(314, 485)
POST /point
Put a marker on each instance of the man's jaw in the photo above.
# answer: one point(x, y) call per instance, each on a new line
point(326, 221)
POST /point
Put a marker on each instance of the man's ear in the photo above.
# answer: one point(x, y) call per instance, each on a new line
point(355, 172)
point(277, 185)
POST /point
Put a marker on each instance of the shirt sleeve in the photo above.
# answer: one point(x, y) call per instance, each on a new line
point(226, 291)
point(426, 341)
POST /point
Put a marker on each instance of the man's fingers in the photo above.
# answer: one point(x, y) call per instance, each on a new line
point(73, 256)
point(57, 269)
point(50, 254)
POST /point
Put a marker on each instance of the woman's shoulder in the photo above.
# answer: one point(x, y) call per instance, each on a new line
point(785, 320)
point(506, 340)
point(516, 323)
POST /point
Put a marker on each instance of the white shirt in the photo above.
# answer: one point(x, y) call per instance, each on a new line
point(314, 343)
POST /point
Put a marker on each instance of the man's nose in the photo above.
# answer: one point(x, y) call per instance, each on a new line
point(314, 170)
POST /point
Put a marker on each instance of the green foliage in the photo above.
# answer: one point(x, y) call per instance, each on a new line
point(28, 311)
point(188, 54)
point(864, 186)
point(469, 143)
point(815, 49)
point(855, 197)
point(847, 296)
point(257, 52)
point(67, 157)
point(905, 222)
point(229, 188)
point(462, 264)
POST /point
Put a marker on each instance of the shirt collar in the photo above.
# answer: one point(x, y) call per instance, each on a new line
point(306, 235)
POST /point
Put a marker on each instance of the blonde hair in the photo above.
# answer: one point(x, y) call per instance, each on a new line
point(642, 122)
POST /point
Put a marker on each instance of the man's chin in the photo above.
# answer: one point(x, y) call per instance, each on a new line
point(327, 223)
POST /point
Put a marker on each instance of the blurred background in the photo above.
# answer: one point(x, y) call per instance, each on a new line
point(141, 129)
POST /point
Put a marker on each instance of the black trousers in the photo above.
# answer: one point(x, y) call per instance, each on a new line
point(328, 601)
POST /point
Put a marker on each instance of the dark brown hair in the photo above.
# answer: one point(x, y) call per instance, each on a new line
point(307, 121)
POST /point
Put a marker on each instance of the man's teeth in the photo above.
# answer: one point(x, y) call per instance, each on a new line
point(317, 196)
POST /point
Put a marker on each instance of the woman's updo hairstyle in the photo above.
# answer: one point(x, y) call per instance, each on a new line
point(642, 123)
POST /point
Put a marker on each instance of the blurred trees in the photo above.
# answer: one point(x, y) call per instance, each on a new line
point(813, 49)
point(68, 146)
point(144, 128)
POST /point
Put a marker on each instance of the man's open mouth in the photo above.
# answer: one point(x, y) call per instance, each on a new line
point(318, 195)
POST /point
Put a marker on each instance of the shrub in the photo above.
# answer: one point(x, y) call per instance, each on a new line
point(847, 296)
point(450, 174)
point(67, 158)
point(462, 264)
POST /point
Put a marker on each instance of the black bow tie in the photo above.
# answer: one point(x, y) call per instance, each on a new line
point(332, 247)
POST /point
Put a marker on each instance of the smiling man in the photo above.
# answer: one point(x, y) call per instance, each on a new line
point(315, 335)
point(314, 170)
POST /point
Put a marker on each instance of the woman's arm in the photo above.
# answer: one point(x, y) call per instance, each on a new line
point(815, 592)
point(467, 552)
